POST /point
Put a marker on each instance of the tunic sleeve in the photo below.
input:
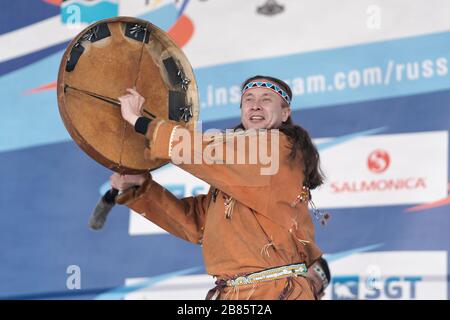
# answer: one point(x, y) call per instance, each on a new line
point(184, 218)
point(226, 162)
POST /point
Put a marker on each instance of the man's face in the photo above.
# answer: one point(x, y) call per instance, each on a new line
point(262, 108)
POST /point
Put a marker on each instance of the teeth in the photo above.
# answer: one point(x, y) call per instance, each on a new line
point(256, 118)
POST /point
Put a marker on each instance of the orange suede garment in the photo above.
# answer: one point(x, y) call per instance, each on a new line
point(262, 230)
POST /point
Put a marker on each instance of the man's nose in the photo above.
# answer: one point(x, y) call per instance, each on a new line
point(256, 106)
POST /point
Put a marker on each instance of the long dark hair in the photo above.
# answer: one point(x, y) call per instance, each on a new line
point(301, 143)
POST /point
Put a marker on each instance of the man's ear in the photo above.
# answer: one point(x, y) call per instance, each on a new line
point(286, 113)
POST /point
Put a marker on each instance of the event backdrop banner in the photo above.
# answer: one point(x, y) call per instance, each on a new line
point(371, 84)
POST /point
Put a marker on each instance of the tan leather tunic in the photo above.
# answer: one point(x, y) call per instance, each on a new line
point(245, 223)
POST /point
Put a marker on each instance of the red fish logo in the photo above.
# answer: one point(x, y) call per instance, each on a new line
point(378, 161)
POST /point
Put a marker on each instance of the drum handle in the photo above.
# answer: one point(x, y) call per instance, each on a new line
point(114, 102)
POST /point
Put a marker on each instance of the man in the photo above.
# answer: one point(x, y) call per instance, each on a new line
point(255, 229)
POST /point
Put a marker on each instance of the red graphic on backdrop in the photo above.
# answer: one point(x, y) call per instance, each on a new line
point(431, 205)
point(378, 161)
point(54, 2)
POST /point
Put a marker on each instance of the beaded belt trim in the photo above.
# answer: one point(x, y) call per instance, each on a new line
point(291, 270)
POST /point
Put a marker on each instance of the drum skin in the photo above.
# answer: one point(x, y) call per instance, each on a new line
point(116, 54)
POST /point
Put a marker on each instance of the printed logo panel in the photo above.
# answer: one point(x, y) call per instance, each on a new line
point(397, 169)
point(392, 275)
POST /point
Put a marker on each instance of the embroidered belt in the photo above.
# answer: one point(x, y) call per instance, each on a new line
point(292, 270)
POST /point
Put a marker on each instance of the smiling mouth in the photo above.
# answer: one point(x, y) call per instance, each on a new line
point(257, 118)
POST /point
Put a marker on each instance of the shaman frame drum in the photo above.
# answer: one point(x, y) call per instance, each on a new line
point(98, 66)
